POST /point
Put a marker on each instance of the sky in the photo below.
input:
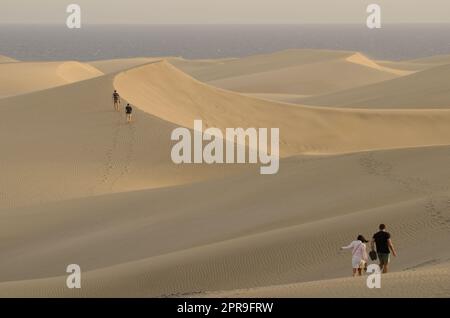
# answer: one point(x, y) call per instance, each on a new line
point(224, 11)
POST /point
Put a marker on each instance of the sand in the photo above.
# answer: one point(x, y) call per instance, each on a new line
point(303, 129)
point(427, 87)
point(432, 281)
point(302, 72)
point(6, 59)
point(433, 60)
point(118, 65)
point(25, 77)
point(81, 186)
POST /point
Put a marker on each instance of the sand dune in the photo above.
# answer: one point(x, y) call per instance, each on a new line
point(24, 77)
point(360, 59)
point(405, 65)
point(203, 68)
point(309, 79)
point(425, 89)
point(6, 59)
point(303, 72)
point(426, 282)
point(68, 142)
point(284, 98)
point(81, 186)
point(303, 129)
point(259, 232)
point(436, 60)
point(220, 69)
point(432, 281)
point(117, 65)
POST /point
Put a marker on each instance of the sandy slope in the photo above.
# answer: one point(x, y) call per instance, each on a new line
point(220, 69)
point(309, 79)
point(68, 142)
point(425, 89)
point(24, 77)
point(163, 91)
point(363, 60)
point(205, 68)
point(117, 65)
point(259, 232)
point(6, 59)
point(80, 186)
point(284, 98)
point(405, 65)
point(431, 281)
point(304, 72)
point(436, 60)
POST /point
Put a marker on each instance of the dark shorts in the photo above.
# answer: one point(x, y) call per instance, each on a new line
point(384, 258)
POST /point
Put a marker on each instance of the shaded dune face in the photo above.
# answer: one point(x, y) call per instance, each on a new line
point(79, 185)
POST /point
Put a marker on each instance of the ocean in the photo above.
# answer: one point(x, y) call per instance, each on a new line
point(94, 42)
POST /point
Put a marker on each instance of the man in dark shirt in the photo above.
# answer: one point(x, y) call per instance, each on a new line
point(129, 112)
point(384, 246)
point(116, 99)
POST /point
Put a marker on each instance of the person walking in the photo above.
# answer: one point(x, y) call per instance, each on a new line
point(359, 254)
point(116, 100)
point(129, 112)
point(383, 244)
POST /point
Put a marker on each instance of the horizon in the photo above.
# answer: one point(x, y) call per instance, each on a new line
point(397, 41)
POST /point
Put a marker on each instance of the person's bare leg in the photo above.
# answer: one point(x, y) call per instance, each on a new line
point(354, 272)
point(359, 272)
point(385, 268)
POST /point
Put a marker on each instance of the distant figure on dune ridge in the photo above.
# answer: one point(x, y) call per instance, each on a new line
point(116, 100)
point(129, 112)
point(359, 254)
point(382, 241)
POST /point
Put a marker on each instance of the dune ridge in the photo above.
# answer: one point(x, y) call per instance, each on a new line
point(260, 247)
point(359, 58)
point(303, 129)
point(435, 60)
point(6, 59)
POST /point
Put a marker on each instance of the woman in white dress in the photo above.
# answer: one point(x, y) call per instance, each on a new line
point(359, 254)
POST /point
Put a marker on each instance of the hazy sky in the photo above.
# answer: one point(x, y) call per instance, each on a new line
point(224, 11)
